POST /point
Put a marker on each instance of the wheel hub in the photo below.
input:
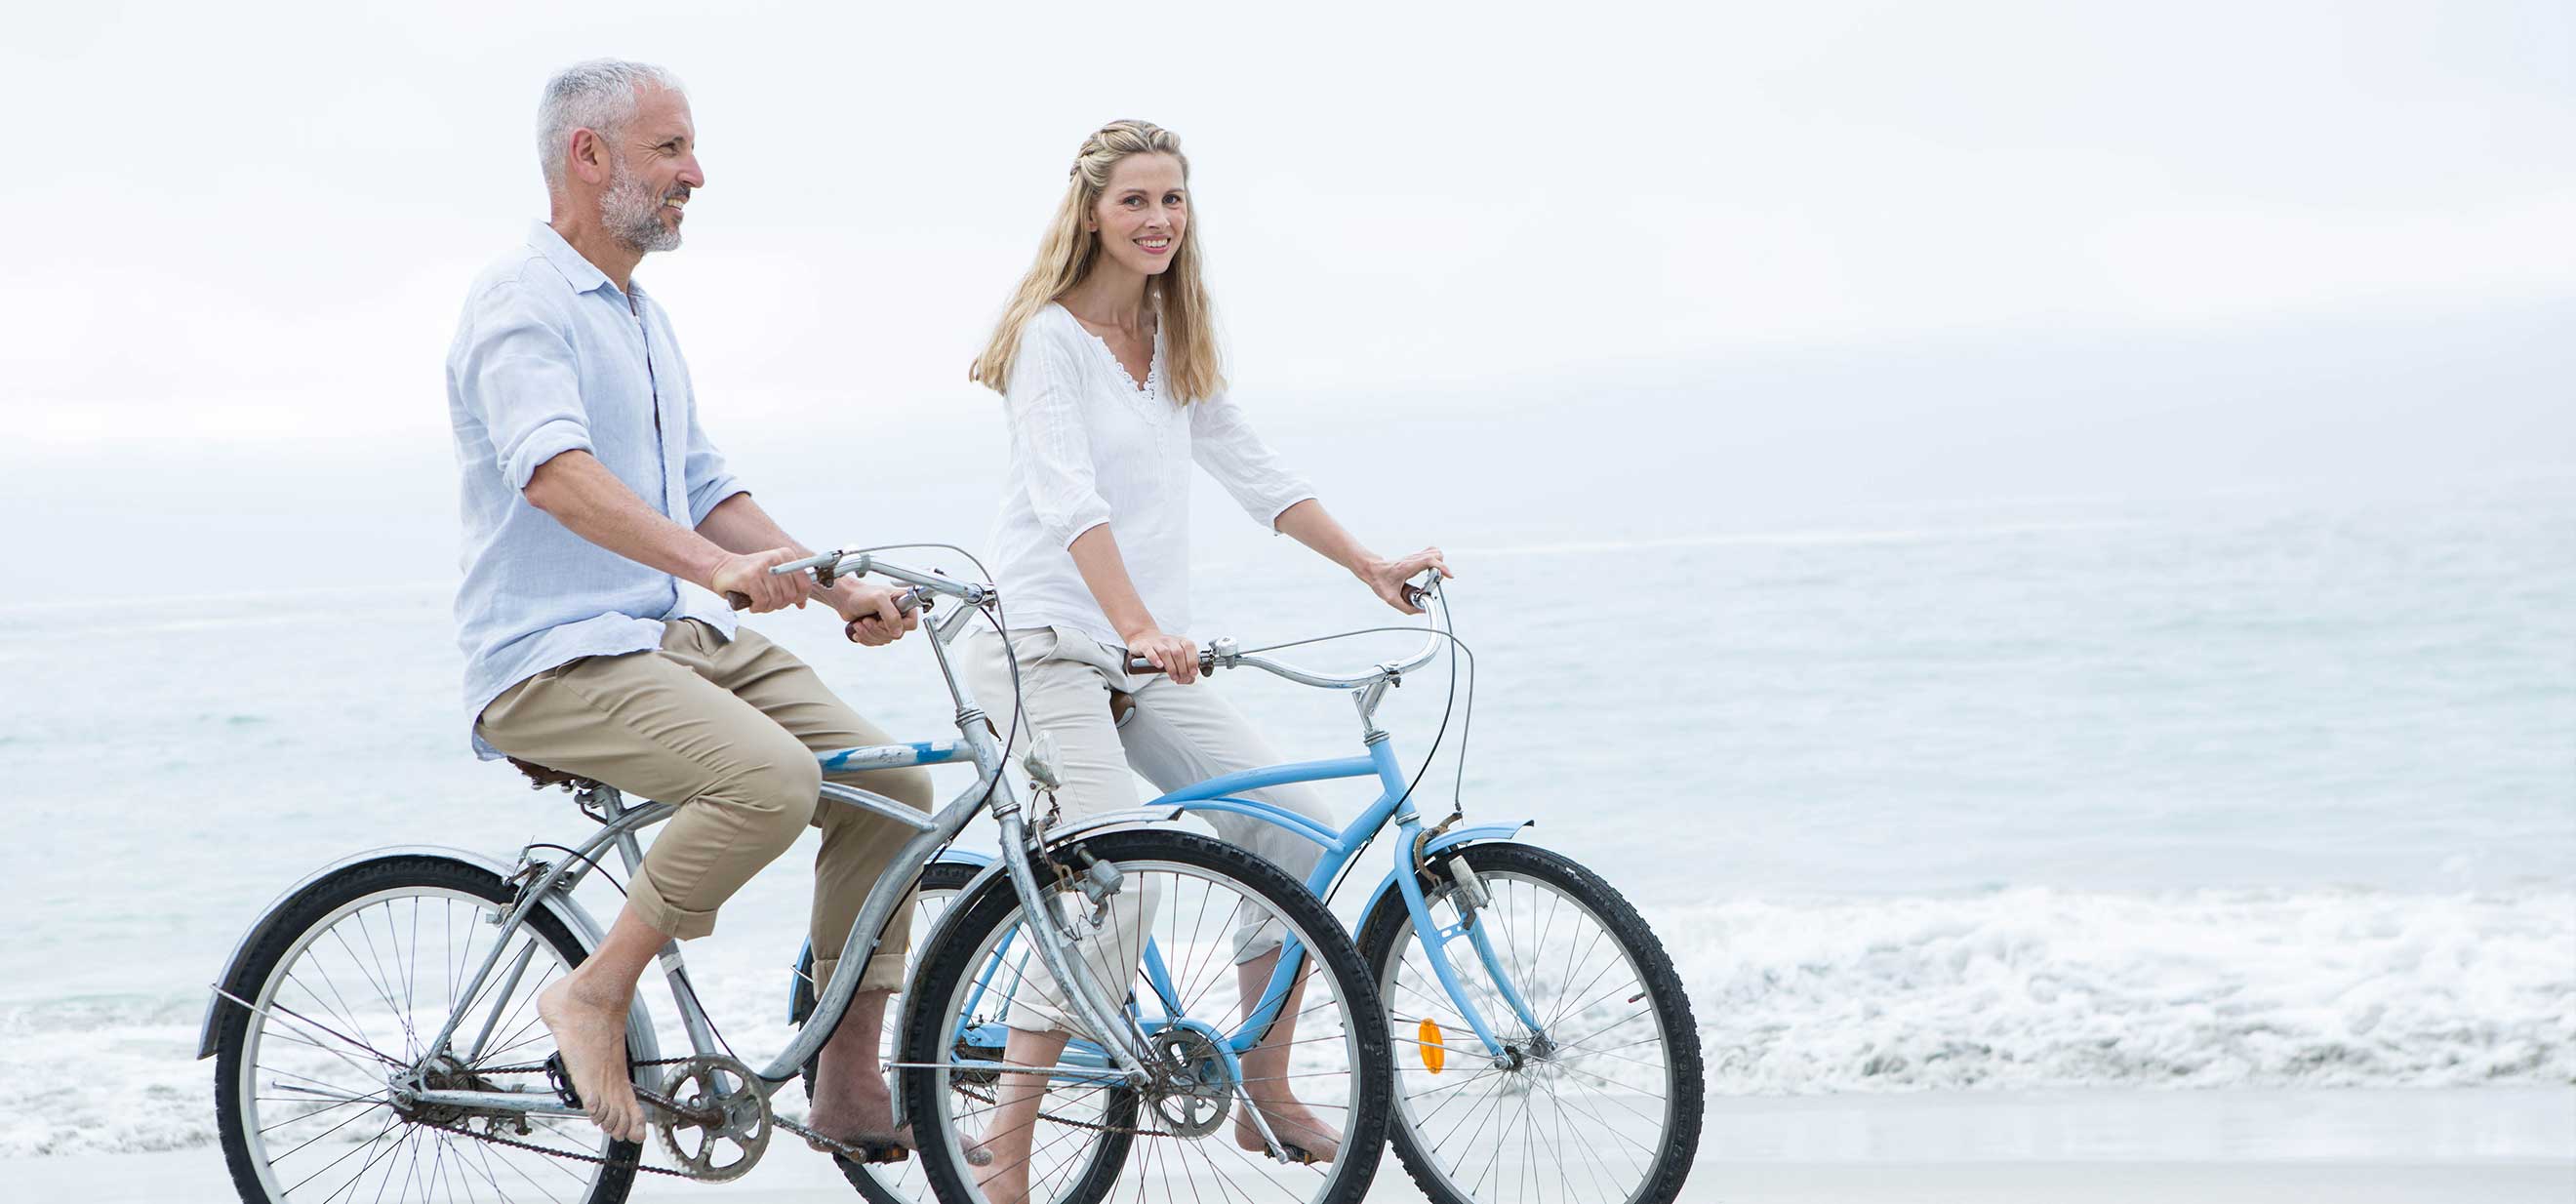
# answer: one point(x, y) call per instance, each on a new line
point(441, 1073)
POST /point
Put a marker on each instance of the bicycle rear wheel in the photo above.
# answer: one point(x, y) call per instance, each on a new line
point(353, 975)
point(1186, 937)
point(1599, 1103)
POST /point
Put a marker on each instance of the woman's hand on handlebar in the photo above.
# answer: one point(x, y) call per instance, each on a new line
point(873, 614)
point(1388, 578)
point(1173, 654)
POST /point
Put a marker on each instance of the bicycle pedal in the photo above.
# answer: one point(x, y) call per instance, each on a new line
point(561, 1080)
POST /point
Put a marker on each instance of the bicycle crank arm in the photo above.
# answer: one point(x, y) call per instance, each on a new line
point(532, 1103)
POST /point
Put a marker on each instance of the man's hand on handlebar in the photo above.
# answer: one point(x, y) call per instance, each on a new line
point(1173, 654)
point(745, 582)
point(1390, 579)
point(874, 615)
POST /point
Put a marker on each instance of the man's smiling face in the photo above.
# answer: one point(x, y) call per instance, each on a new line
point(654, 168)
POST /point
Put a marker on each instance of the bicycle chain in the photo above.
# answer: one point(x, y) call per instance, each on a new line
point(670, 1105)
point(655, 1098)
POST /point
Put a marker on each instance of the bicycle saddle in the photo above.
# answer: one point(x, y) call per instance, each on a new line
point(540, 777)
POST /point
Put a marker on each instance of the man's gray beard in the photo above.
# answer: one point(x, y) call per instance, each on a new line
point(634, 217)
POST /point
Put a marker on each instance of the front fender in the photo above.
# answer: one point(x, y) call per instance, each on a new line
point(797, 973)
point(1447, 840)
point(639, 1021)
point(995, 867)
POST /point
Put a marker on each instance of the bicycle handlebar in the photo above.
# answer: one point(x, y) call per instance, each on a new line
point(829, 566)
point(1220, 653)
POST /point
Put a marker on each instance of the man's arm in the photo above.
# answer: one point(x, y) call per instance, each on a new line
point(580, 492)
point(738, 523)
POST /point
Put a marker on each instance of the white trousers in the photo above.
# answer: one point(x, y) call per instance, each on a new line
point(1177, 736)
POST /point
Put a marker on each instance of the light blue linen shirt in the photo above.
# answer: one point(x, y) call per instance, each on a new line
point(550, 357)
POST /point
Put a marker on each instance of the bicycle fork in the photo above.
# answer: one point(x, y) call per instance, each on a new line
point(1470, 898)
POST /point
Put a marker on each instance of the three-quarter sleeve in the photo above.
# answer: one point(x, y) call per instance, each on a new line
point(1049, 440)
point(518, 376)
point(1223, 442)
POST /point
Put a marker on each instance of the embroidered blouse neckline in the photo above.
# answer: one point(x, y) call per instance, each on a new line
point(1152, 387)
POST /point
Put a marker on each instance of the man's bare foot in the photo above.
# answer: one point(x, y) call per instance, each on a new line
point(851, 1103)
point(591, 1033)
point(1294, 1125)
point(855, 1108)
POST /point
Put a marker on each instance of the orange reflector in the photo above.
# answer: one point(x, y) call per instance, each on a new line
point(1434, 1053)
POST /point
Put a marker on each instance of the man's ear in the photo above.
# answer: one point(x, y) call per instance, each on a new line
point(589, 158)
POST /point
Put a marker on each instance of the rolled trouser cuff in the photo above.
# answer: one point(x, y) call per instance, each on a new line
point(884, 973)
point(675, 922)
point(1255, 940)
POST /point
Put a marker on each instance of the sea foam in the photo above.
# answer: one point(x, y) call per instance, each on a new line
point(2002, 990)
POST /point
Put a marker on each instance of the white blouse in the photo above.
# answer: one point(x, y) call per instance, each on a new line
point(1089, 447)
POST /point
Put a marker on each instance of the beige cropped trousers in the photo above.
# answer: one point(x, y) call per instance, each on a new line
point(727, 730)
point(1177, 736)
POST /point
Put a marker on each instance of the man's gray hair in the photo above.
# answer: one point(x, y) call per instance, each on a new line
point(599, 95)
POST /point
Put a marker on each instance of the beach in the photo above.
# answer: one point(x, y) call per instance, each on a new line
point(2191, 851)
point(2442, 1146)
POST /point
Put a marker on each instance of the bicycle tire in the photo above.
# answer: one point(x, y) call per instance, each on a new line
point(1386, 935)
point(299, 924)
point(994, 910)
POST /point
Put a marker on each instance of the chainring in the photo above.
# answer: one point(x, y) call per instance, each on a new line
point(712, 1102)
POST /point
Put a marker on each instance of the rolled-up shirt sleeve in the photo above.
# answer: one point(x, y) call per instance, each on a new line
point(1223, 442)
point(709, 482)
point(1048, 437)
point(519, 378)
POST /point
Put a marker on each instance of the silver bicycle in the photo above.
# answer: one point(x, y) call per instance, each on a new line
point(375, 1033)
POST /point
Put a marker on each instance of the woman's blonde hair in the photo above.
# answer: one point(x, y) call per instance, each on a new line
point(1191, 366)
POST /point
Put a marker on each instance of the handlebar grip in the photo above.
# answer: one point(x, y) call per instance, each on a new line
point(1138, 664)
point(908, 603)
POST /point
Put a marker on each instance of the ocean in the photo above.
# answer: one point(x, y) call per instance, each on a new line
point(2246, 790)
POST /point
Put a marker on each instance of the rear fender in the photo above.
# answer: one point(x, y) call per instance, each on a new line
point(639, 1020)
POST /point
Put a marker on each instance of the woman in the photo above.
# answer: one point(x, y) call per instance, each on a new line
point(1107, 361)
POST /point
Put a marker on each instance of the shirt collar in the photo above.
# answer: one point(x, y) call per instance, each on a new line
point(584, 275)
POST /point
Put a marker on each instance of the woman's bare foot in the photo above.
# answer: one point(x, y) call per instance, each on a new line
point(999, 1183)
point(1294, 1125)
point(590, 1031)
point(1265, 1070)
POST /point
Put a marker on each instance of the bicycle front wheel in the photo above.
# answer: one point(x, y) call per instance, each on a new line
point(355, 973)
point(1598, 1101)
point(1248, 1062)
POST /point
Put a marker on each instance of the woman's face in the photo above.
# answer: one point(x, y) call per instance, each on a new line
point(1143, 213)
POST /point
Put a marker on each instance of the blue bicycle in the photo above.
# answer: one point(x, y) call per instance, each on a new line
point(1545, 1049)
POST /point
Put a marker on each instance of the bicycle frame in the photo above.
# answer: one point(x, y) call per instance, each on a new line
point(1339, 849)
point(1219, 794)
point(550, 885)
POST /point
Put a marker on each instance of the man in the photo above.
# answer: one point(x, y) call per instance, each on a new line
point(591, 494)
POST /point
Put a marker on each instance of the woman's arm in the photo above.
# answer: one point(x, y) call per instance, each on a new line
point(1310, 524)
point(1223, 442)
point(1104, 573)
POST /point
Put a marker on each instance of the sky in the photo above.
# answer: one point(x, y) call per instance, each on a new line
point(1726, 263)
